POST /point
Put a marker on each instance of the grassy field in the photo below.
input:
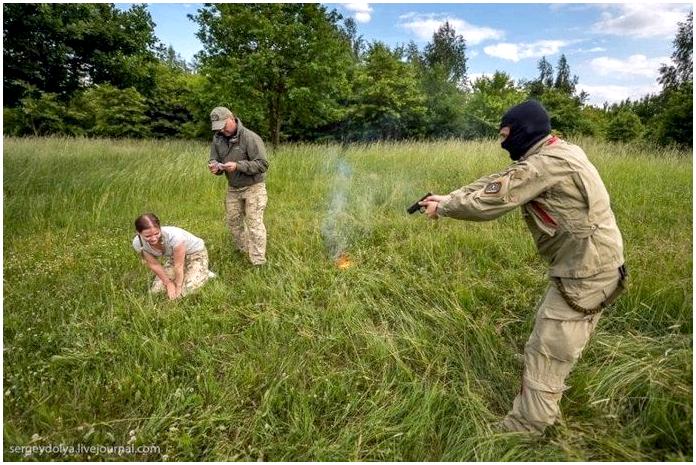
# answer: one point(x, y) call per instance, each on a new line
point(407, 355)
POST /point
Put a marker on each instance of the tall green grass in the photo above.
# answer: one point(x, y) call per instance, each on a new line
point(408, 355)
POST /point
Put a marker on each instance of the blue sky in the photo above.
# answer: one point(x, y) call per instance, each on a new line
point(615, 49)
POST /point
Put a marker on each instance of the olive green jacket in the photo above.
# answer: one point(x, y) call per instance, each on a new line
point(564, 203)
point(247, 150)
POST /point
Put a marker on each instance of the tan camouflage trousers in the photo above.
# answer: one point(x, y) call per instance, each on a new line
point(196, 273)
point(559, 336)
point(245, 207)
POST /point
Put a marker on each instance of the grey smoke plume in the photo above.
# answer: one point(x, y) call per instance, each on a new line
point(335, 226)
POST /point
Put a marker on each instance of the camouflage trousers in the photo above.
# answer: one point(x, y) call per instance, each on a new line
point(245, 206)
point(559, 336)
point(196, 273)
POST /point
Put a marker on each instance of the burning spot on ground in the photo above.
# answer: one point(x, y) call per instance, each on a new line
point(343, 261)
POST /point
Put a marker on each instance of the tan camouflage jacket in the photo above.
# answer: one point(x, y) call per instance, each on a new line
point(564, 203)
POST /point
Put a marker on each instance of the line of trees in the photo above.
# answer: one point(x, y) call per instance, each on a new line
point(292, 72)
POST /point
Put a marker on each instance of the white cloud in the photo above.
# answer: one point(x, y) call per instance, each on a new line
point(641, 20)
point(362, 17)
point(517, 52)
point(362, 11)
point(614, 94)
point(635, 65)
point(504, 51)
point(425, 25)
point(568, 7)
point(590, 50)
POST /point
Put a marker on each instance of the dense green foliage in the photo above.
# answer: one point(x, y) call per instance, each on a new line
point(60, 48)
point(445, 56)
point(289, 59)
point(408, 355)
point(669, 115)
point(292, 72)
point(388, 104)
point(624, 127)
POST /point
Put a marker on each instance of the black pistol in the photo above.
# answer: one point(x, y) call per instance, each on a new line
point(415, 207)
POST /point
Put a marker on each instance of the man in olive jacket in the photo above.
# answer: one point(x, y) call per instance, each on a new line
point(567, 210)
point(241, 155)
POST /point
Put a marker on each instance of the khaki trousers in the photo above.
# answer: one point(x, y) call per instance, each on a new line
point(195, 273)
point(245, 207)
point(559, 336)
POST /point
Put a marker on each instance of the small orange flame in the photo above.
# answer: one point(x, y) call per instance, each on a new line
point(343, 262)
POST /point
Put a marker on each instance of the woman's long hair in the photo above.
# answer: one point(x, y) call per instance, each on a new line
point(145, 221)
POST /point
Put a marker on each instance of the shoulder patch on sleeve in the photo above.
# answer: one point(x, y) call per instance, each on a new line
point(493, 187)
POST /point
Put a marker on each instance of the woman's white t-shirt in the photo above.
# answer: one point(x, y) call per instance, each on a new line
point(171, 237)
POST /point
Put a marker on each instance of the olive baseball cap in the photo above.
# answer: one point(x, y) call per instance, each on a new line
point(218, 117)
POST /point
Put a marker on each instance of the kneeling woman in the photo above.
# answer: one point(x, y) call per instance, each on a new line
point(185, 256)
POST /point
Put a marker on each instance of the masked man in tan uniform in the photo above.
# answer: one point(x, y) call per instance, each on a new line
point(566, 208)
point(241, 155)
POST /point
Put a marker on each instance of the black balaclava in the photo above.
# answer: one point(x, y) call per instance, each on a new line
point(528, 123)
